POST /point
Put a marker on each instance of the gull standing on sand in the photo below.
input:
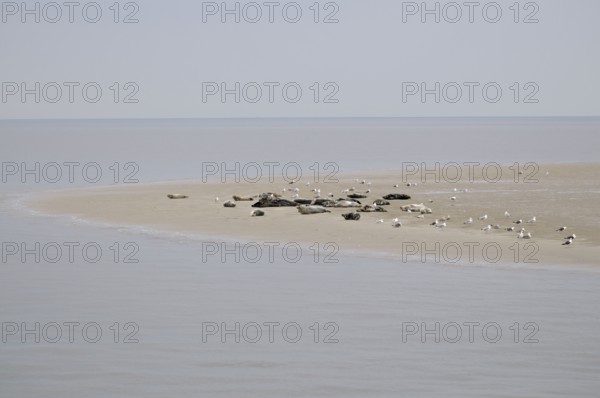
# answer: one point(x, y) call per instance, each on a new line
point(532, 220)
point(528, 236)
point(488, 228)
point(380, 221)
point(397, 224)
point(518, 222)
point(484, 217)
point(568, 242)
point(442, 225)
point(469, 221)
point(435, 223)
point(572, 237)
point(506, 214)
point(561, 229)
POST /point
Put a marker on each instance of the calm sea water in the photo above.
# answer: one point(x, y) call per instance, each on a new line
point(368, 325)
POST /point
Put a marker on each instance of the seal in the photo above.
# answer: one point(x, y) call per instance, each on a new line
point(371, 209)
point(381, 202)
point(176, 196)
point(351, 216)
point(242, 198)
point(311, 209)
point(396, 196)
point(229, 203)
point(273, 200)
point(257, 213)
point(357, 196)
point(346, 203)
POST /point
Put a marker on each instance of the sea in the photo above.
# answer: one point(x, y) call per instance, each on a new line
point(98, 310)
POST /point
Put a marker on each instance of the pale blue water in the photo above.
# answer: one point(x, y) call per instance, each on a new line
point(171, 292)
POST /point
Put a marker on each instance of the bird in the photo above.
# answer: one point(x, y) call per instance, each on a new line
point(532, 220)
point(506, 214)
point(435, 223)
point(528, 236)
point(561, 229)
point(396, 186)
point(469, 221)
point(397, 224)
point(572, 237)
point(496, 226)
point(216, 199)
point(442, 225)
point(568, 242)
point(453, 198)
point(380, 221)
point(518, 222)
point(395, 220)
point(510, 228)
point(489, 227)
point(484, 217)
point(520, 235)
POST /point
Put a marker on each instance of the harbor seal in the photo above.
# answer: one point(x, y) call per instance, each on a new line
point(272, 200)
point(372, 209)
point(357, 196)
point(311, 209)
point(176, 196)
point(381, 202)
point(351, 216)
point(242, 198)
point(257, 213)
point(396, 196)
point(346, 203)
point(229, 203)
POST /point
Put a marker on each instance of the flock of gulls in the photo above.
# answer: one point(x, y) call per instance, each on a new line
point(319, 205)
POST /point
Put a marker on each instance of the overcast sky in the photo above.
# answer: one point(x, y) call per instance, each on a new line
point(374, 61)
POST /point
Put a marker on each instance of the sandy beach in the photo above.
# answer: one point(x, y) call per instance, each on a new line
point(563, 195)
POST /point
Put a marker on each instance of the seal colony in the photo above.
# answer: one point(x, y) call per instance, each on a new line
point(361, 203)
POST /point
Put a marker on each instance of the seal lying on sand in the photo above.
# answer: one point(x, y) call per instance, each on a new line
point(273, 200)
point(242, 198)
point(417, 208)
point(381, 202)
point(351, 216)
point(371, 209)
point(347, 203)
point(229, 203)
point(257, 213)
point(396, 196)
point(357, 196)
point(176, 196)
point(311, 209)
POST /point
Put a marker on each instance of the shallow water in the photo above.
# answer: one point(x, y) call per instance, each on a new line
point(367, 304)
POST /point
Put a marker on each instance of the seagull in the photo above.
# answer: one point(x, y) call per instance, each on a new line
point(532, 221)
point(435, 223)
point(506, 214)
point(453, 198)
point(520, 236)
point(496, 226)
point(216, 199)
point(442, 225)
point(395, 220)
point(469, 221)
point(396, 186)
point(572, 237)
point(307, 183)
point(397, 225)
point(330, 195)
point(488, 228)
point(484, 217)
point(568, 242)
point(455, 190)
point(528, 236)
point(380, 221)
point(284, 190)
point(510, 228)
point(561, 229)
point(518, 222)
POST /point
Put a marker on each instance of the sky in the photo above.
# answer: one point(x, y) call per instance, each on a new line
point(348, 58)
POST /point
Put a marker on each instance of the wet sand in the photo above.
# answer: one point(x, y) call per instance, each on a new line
point(564, 195)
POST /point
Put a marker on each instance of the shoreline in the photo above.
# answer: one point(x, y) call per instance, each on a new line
point(146, 206)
